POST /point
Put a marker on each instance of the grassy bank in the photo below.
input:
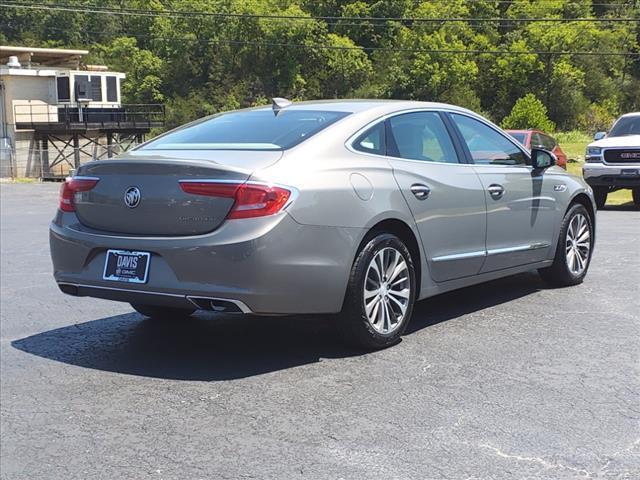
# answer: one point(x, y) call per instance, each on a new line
point(574, 145)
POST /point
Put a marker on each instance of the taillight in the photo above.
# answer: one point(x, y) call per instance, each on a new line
point(251, 199)
point(70, 187)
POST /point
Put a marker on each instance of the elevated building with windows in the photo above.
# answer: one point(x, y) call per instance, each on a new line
point(57, 112)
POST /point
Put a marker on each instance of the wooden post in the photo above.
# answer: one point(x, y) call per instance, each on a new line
point(44, 155)
point(109, 144)
point(76, 150)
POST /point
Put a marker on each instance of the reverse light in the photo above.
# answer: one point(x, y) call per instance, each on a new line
point(70, 187)
point(251, 199)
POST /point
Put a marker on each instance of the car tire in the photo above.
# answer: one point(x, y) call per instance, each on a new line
point(600, 195)
point(375, 321)
point(574, 249)
point(162, 313)
point(635, 194)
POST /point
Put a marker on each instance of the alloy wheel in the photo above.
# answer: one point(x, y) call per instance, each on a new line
point(387, 290)
point(578, 244)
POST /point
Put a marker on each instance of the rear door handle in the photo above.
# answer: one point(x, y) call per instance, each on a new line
point(420, 191)
point(495, 190)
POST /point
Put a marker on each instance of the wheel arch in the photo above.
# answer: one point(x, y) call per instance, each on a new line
point(405, 233)
point(584, 200)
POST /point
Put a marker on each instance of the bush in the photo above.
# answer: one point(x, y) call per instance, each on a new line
point(528, 112)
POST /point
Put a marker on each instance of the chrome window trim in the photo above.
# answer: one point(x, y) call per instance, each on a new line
point(349, 142)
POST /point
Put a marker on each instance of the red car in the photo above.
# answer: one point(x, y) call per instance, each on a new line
point(536, 138)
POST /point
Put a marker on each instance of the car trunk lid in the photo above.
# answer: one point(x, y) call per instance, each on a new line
point(157, 205)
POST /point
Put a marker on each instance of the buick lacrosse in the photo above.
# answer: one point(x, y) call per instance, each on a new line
point(352, 208)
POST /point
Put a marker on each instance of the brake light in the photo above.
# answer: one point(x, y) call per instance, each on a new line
point(70, 187)
point(251, 200)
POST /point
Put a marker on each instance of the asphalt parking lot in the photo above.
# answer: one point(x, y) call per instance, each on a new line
point(506, 380)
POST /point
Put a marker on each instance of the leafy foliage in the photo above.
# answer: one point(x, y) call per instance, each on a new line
point(528, 112)
point(199, 64)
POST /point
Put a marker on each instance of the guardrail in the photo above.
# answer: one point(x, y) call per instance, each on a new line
point(75, 116)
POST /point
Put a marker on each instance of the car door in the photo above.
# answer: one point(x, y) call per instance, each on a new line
point(444, 194)
point(521, 205)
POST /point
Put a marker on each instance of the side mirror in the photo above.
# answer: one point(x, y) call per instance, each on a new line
point(599, 136)
point(541, 159)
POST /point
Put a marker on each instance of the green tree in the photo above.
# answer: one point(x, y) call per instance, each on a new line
point(528, 112)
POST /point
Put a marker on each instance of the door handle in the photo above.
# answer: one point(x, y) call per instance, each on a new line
point(420, 191)
point(495, 190)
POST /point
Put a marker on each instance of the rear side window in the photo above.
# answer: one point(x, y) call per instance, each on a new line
point(521, 137)
point(487, 146)
point(371, 141)
point(248, 130)
point(420, 136)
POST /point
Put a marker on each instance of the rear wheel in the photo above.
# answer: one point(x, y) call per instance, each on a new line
point(573, 253)
point(380, 295)
point(636, 196)
point(600, 195)
point(162, 313)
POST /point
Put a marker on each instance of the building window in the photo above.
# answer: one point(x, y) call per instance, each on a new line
point(62, 86)
point(96, 88)
point(112, 89)
point(88, 88)
point(82, 87)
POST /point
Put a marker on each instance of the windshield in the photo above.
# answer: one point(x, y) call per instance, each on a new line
point(626, 126)
point(519, 136)
point(247, 130)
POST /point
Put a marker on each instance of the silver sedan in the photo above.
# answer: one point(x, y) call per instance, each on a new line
point(352, 208)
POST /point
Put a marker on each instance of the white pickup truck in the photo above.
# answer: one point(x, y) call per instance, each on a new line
point(613, 159)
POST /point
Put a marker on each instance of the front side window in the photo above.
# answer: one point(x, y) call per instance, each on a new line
point(487, 146)
point(248, 130)
point(371, 141)
point(420, 136)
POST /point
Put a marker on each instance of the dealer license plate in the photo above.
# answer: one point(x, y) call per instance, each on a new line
point(126, 266)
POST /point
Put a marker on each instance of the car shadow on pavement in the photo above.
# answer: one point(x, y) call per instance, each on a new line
point(211, 347)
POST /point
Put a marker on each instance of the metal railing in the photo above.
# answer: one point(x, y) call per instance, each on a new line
point(72, 116)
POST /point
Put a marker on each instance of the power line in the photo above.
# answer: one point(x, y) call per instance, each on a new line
point(184, 13)
point(361, 48)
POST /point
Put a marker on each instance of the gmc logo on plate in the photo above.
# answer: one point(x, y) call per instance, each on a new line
point(630, 155)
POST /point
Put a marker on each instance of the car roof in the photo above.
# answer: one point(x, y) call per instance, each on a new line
point(630, 114)
point(362, 105)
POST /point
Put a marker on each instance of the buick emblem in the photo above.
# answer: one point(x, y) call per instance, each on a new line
point(132, 197)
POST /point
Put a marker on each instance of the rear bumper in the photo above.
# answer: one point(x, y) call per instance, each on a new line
point(603, 175)
point(270, 265)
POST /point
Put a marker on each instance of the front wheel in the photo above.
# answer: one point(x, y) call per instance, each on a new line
point(573, 252)
point(162, 313)
point(380, 294)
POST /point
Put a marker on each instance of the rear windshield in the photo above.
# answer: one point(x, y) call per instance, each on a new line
point(626, 126)
point(248, 130)
point(520, 137)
